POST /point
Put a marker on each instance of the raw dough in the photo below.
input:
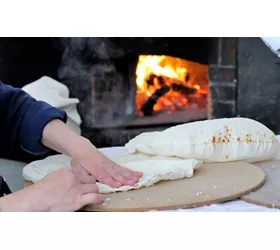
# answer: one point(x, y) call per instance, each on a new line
point(219, 140)
point(154, 169)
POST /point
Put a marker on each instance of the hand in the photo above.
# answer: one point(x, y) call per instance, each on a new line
point(62, 190)
point(87, 159)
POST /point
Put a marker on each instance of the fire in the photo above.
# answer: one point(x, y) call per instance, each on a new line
point(169, 84)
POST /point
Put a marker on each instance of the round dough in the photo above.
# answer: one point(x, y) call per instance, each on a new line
point(154, 169)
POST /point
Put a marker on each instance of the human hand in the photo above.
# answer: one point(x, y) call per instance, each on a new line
point(61, 191)
point(88, 160)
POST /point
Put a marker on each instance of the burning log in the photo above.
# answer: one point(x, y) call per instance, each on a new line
point(176, 85)
point(151, 79)
point(147, 107)
point(166, 84)
point(183, 89)
point(161, 81)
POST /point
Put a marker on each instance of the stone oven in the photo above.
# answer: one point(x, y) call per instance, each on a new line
point(133, 85)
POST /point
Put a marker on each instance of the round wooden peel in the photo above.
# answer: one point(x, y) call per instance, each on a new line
point(211, 183)
point(268, 194)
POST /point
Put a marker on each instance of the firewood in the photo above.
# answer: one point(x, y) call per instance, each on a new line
point(147, 107)
point(151, 79)
point(183, 89)
point(177, 85)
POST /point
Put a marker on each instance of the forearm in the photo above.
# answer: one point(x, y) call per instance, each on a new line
point(18, 202)
point(12, 203)
point(34, 198)
point(22, 121)
point(59, 137)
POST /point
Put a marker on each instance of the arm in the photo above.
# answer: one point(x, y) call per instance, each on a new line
point(86, 158)
point(36, 126)
point(59, 137)
point(22, 120)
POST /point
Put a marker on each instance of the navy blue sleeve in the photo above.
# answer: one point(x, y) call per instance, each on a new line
point(22, 120)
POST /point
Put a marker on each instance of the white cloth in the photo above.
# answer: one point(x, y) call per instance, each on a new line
point(231, 206)
point(56, 94)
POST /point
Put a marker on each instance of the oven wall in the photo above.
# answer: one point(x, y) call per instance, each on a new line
point(258, 82)
point(222, 78)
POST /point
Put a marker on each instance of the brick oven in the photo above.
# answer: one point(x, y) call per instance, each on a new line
point(147, 84)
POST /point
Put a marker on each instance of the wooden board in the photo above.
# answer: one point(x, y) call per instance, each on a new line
point(268, 194)
point(211, 183)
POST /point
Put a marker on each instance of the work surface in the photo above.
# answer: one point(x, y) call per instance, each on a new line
point(12, 173)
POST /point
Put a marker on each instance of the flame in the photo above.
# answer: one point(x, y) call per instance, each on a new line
point(156, 72)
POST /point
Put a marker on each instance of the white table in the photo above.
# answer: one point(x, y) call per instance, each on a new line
point(11, 171)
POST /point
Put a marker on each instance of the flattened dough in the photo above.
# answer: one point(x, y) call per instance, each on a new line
point(154, 169)
point(219, 140)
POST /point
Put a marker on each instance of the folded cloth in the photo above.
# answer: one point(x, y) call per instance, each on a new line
point(56, 94)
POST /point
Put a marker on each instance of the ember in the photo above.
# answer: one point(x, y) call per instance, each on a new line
point(169, 84)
